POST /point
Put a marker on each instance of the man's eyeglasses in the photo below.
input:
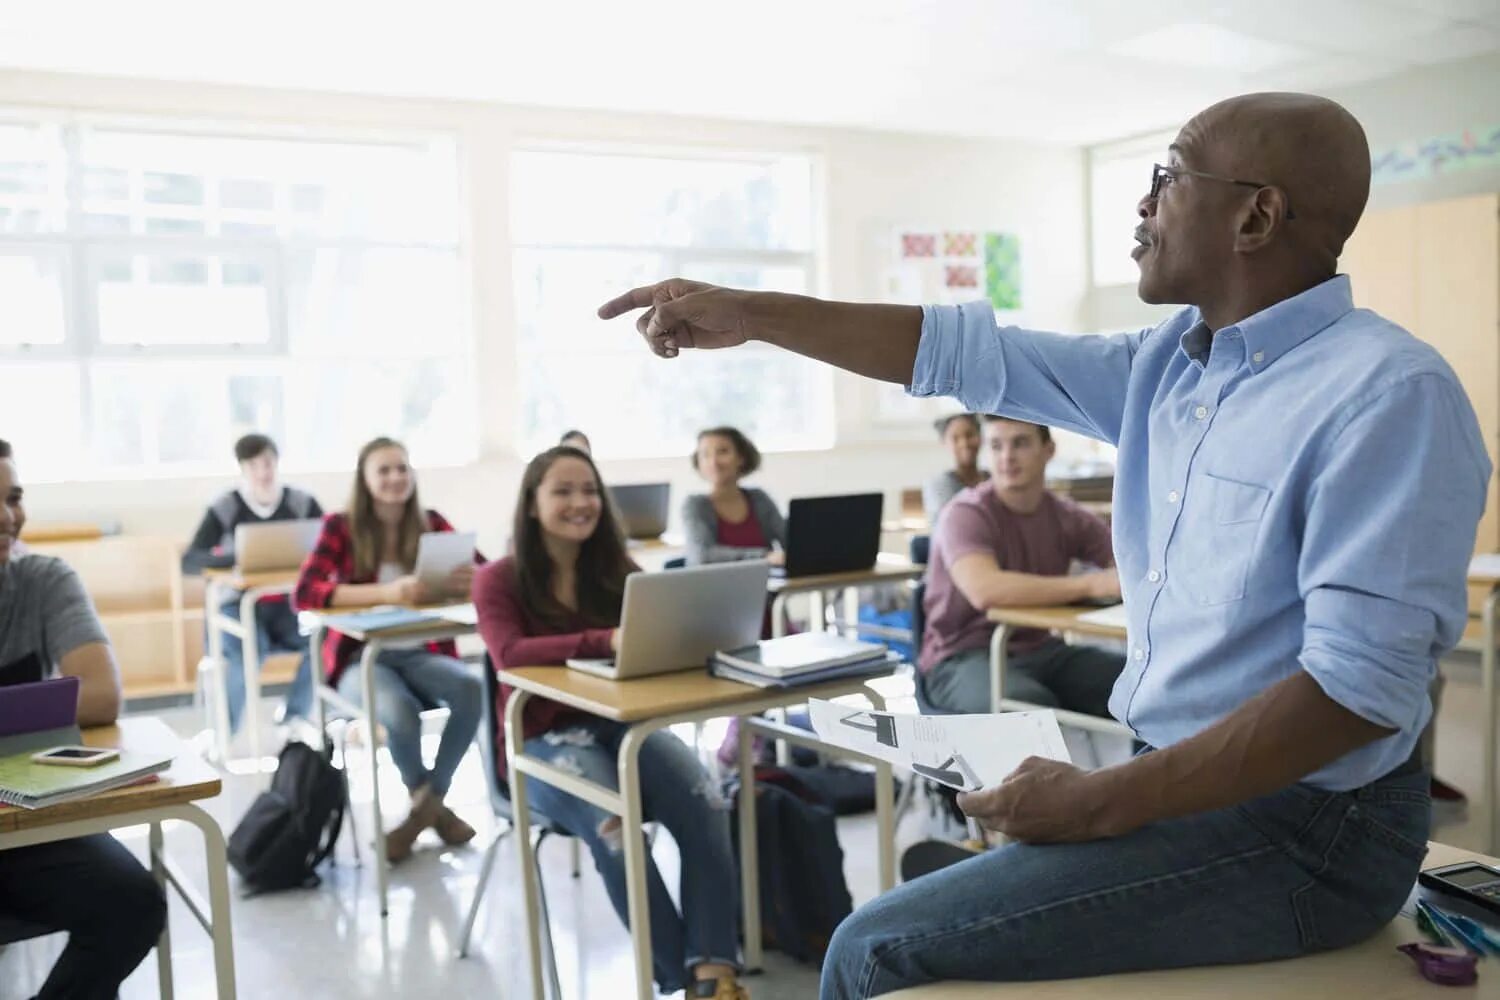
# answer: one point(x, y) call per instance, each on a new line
point(1161, 175)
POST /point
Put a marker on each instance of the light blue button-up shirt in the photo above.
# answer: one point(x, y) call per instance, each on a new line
point(1298, 491)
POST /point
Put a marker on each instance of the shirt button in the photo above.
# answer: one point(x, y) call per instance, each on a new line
point(1173, 497)
point(1153, 576)
point(1201, 413)
point(1258, 357)
point(1140, 654)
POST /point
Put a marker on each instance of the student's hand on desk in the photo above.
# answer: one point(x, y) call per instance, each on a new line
point(1104, 583)
point(460, 582)
point(407, 590)
point(681, 313)
point(1046, 802)
point(776, 557)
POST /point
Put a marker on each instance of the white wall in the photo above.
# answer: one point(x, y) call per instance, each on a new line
point(873, 181)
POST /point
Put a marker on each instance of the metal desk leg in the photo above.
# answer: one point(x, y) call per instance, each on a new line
point(749, 854)
point(778, 615)
point(367, 680)
point(885, 818)
point(250, 648)
point(315, 657)
point(217, 861)
point(212, 600)
point(1487, 687)
point(998, 642)
point(632, 821)
point(164, 943)
point(521, 822)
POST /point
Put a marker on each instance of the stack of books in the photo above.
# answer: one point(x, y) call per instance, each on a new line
point(30, 785)
point(797, 660)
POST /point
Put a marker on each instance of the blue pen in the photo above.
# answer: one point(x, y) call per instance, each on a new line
point(1476, 935)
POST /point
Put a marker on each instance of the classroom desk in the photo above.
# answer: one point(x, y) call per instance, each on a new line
point(172, 796)
point(647, 705)
point(1488, 576)
point(1057, 618)
point(1373, 970)
point(39, 532)
point(253, 587)
point(888, 568)
point(374, 640)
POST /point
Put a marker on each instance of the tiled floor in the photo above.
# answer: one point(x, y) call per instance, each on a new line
point(330, 941)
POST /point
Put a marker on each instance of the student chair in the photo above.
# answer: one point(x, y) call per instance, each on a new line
point(500, 805)
point(919, 548)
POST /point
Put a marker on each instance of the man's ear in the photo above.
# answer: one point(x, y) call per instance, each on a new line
point(1258, 222)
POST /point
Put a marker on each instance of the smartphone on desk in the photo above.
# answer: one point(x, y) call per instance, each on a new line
point(75, 756)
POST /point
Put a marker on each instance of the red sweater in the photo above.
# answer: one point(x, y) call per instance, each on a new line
point(329, 566)
point(515, 639)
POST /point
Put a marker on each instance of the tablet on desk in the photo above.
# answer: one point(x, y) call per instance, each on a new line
point(439, 553)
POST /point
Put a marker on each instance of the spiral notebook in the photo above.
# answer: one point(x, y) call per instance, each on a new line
point(36, 786)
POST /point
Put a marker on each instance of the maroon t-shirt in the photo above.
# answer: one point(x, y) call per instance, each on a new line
point(746, 534)
point(1044, 542)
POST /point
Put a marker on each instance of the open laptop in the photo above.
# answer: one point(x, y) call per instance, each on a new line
point(642, 508)
point(274, 545)
point(836, 534)
point(676, 619)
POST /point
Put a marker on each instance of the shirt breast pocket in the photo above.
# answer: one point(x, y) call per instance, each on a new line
point(1223, 537)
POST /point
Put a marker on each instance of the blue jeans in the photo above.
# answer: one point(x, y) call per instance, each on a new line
point(1300, 871)
point(1055, 674)
point(679, 794)
point(276, 627)
point(407, 682)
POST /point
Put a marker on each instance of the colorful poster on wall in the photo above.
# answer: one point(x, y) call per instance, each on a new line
point(952, 266)
point(1470, 149)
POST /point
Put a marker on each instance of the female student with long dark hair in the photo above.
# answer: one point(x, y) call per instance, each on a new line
point(365, 556)
point(559, 597)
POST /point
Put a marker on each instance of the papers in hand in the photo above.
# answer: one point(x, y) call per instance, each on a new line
point(966, 752)
point(439, 553)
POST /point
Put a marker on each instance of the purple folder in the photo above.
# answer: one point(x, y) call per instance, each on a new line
point(38, 707)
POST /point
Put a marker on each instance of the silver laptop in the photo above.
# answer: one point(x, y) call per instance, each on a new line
point(676, 619)
point(273, 545)
point(642, 508)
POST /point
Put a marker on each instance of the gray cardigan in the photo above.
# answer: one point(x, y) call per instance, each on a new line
point(701, 525)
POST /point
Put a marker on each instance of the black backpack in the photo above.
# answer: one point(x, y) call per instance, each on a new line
point(291, 829)
point(803, 895)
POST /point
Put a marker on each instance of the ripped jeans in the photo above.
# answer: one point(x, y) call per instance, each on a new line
point(677, 793)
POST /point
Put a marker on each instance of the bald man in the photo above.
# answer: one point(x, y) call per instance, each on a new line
point(1298, 488)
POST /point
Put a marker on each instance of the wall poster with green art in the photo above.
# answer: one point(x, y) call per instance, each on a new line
point(949, 266)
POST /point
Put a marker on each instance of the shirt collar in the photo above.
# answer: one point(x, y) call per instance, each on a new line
point(1277, 329)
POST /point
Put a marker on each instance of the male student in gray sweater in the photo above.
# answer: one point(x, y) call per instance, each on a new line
point(90, 887)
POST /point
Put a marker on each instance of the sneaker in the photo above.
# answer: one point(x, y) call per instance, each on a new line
point(927, 856)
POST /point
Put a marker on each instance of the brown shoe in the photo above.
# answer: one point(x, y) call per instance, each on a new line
point(723, 988)
point(453, 830)
point(424, 813)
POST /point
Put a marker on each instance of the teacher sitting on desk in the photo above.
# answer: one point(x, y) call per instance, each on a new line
point(1298, 488)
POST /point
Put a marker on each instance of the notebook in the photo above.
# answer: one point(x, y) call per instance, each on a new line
point(796, 654)
point(35, 786)
point(877, 667)
point(378, 619)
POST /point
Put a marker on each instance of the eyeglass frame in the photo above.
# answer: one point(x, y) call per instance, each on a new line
point(1158, 172)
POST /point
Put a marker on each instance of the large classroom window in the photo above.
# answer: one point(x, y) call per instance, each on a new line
point(166, 287)
point(1119, 176)
point(588, 224)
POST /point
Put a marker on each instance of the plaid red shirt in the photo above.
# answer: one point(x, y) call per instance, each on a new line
point(330, 565)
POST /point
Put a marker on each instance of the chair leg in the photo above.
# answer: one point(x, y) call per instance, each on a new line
point(549, 953)
point(349, 810)
point(488, 865)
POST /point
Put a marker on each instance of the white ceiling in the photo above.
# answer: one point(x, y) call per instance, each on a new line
point(1050, 70)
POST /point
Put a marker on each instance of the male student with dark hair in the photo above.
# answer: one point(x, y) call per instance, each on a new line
point(259, 498)
point(90, 887)
point(1291, 578)
point(1009, 542)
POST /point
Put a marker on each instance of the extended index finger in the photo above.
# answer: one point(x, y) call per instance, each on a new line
point(636, 298)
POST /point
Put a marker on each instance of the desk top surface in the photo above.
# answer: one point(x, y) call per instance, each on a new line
point(887, 569)
point(1373, 970)
point(188, 779)
point(442, 628)
point(239, 580)
point(1058, 617)
point(661, 695)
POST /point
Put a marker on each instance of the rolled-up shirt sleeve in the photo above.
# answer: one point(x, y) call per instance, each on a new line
point(1073, 381)
point(1389, 532)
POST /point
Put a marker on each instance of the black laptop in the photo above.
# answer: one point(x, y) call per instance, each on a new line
point(642, 508)
point(832, 534)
